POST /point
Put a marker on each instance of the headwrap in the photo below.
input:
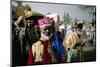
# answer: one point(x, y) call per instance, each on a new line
point(45, 22)
point(79, 25)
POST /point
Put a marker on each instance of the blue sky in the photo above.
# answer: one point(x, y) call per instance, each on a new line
point(59, 9)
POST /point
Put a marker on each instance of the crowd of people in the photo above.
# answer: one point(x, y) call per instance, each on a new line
point(35, 40)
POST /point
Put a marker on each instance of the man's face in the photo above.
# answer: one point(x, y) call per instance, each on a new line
point(29, 22)
point(46, 32)
point(79, 31)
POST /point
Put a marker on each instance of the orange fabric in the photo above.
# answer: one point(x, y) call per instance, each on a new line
point(72, 39)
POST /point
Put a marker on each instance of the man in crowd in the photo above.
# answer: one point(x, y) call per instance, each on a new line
point(73, 45)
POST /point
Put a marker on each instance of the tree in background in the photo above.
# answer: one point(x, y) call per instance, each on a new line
point(92, 11)
point(66, 18)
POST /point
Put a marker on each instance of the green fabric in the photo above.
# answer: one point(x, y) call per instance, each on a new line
point(72, 56)
point(68, 57)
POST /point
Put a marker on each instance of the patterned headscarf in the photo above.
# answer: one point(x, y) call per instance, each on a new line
point(45, 22)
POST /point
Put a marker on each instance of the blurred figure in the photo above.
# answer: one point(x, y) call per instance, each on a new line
point(73, 44)
point(69, 30)
point(58, 47)
point(16, 53)
point(57, 38)
point(61, 30)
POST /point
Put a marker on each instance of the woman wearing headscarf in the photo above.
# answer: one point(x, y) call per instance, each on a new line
point(41, 51)
point(74, 44)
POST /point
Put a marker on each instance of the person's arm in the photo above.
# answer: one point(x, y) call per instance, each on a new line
point(18, 20)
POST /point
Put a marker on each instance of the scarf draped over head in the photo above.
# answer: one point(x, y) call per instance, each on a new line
point(45, 22)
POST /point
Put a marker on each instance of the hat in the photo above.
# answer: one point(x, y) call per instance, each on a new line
point(28, 13)
point(79, 25)
point(45, 22)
